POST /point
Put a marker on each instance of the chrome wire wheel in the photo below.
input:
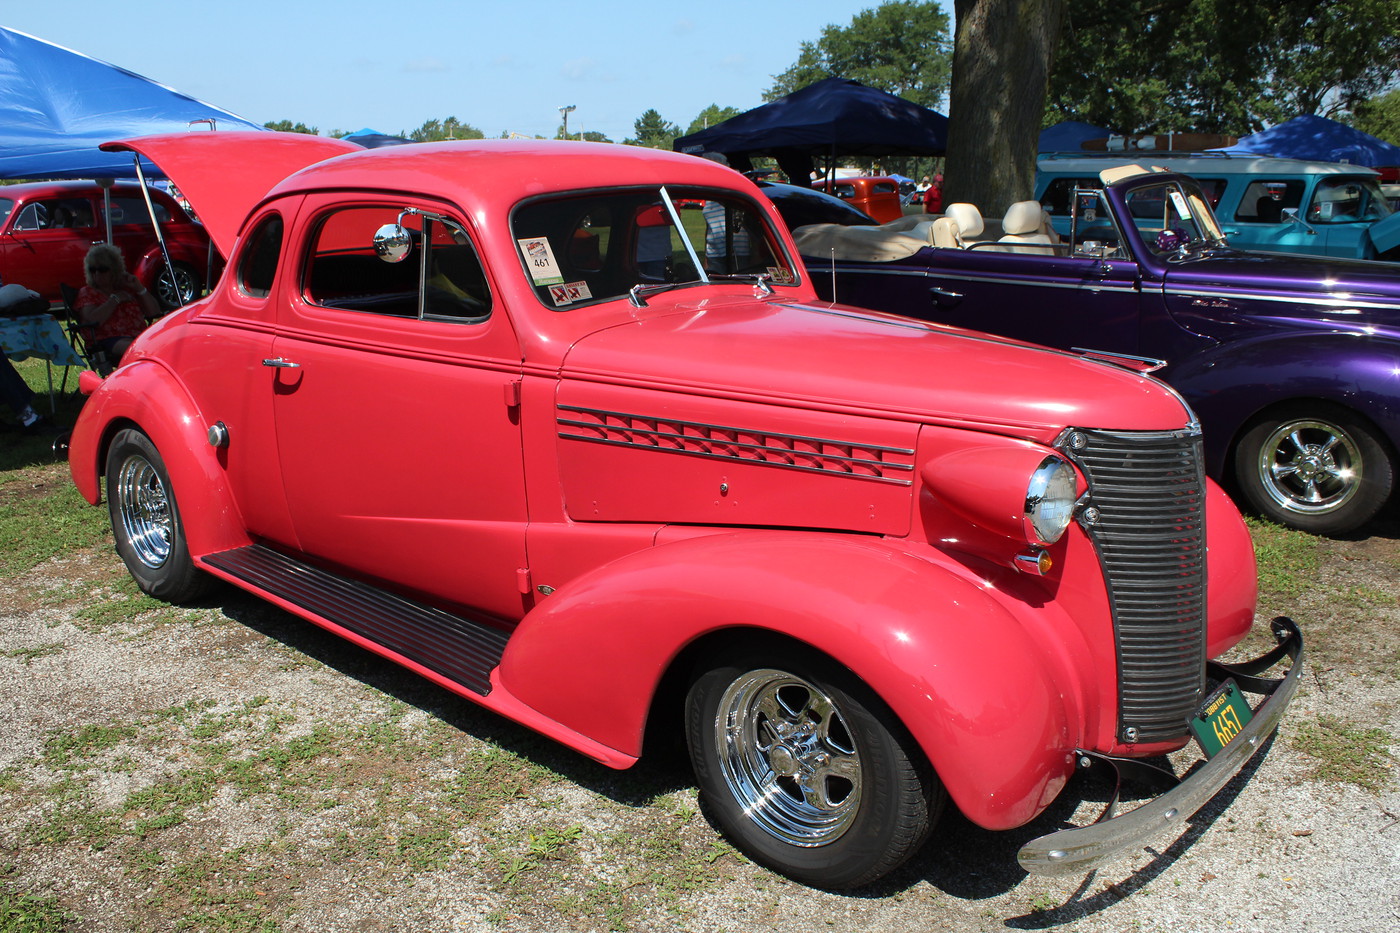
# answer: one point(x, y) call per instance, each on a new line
point(1310, 466)
point(177, 291)
point(788, 757)
point(143, 510)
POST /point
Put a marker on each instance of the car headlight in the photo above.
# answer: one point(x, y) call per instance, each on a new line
point(1050, 501)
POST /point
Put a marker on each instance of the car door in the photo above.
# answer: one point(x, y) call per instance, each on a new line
point(397, 432)
point(46, 243)
point(1066, 302)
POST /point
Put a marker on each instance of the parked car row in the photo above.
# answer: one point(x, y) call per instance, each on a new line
point(632, 478)
point(1290, 362)
point(46, 228)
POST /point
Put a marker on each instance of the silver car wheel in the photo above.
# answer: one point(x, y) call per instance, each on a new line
point(788, 758)
point(1310, 466)
point(143, 509)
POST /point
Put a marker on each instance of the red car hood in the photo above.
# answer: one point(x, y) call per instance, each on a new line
point(225, 174)
point(844, 359)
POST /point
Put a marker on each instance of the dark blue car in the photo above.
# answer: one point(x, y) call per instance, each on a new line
point(1292, 363)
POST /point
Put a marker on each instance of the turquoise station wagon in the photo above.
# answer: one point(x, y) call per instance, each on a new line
point(1275, 205)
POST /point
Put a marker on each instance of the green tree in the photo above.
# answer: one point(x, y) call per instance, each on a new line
point(451, 128)
point(1002, 55)
point(287, 126)
point(1379, 116)
point(900, 46)
point(653, 132)
point(1226, 66)
point(709, 117)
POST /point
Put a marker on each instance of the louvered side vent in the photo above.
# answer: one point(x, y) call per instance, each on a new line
point(1149, 490)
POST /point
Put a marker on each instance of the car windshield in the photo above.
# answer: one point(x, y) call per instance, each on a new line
point(586, 247)
point(1173, 216)
point(1344, 199)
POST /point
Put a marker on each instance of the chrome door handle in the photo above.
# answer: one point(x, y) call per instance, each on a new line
point(940, 295)
point(282, 364)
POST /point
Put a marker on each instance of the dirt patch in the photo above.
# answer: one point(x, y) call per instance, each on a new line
point(231, 768)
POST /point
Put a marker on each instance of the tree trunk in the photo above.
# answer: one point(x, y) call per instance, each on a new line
point(1002, 53)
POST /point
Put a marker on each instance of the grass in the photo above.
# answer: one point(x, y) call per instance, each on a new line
point(236, 808)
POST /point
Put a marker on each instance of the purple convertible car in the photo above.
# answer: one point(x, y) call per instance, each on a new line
point(1292, 363)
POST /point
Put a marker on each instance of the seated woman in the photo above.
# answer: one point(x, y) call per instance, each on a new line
point(113, 301)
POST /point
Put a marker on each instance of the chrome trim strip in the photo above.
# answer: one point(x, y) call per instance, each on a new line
point(677, 442)
point(1326, 301)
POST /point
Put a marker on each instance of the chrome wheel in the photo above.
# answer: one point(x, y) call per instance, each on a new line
point(178, 291)
point(143, 510)
point(1310, 466)
point(788, 757)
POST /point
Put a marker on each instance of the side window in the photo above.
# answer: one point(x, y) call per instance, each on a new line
point(1264, 201)
point(133, 211)
point(1059, 193)
point(441, 277)
point(258, 266)
point(33, 216)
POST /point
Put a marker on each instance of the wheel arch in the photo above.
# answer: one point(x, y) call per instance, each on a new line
point(211, 516)
point(610, 654)
point(1231, 385)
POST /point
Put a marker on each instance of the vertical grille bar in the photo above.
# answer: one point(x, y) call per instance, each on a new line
point(1149, 489)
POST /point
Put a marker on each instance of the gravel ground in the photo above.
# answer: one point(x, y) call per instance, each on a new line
point(229, 767)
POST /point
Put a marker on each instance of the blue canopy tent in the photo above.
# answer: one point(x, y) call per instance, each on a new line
point(373, 139)
point(1067, 136)
point(57, 106)
point(1321, 140)
point(833, 117)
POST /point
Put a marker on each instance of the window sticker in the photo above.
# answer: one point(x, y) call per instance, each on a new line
point(567, 294)
point(781, 275)
point(1179, 203)
point(540, 258)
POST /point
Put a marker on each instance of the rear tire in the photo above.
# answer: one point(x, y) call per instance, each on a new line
point(1314, 466)
point(146, 521)
point(806, 770)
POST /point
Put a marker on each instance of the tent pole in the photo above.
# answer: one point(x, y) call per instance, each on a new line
point(160, 236)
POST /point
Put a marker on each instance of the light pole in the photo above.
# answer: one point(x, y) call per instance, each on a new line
point(564, 112)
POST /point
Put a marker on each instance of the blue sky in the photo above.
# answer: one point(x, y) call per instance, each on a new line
point(390, 65)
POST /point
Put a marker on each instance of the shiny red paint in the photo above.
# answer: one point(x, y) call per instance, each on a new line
point(616, 486)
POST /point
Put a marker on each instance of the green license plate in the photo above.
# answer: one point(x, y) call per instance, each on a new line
point(1221, 718)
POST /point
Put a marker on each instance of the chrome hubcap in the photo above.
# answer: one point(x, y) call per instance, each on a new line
point(144, 511)
point(788, 757)
point(1310, 466)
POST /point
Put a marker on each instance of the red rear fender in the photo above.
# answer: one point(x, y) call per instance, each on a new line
point(125, 400)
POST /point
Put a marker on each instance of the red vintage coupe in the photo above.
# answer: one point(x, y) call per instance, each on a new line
point(564, 428)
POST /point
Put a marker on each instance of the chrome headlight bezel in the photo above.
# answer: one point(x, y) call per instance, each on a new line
point(1051, 497)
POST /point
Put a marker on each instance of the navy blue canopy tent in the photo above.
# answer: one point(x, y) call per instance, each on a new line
point(1067, 136)
point(57, 106)
point(1321, 140)
point(833, 117)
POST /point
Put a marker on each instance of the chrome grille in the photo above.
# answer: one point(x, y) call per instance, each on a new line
point(1149, 490)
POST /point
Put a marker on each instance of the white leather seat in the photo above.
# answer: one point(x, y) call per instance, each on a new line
point(1026, 225)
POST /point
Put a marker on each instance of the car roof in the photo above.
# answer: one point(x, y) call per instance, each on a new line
point(41, 189)
point(1202, 164)
point(226, 175)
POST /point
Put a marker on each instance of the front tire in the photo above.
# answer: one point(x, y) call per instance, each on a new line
point(1316, 467)
point(805, 770)
point(146, 521)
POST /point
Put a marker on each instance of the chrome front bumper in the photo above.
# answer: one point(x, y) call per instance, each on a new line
point(1078, 849)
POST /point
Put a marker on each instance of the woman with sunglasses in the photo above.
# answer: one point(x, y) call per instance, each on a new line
point(113, 301)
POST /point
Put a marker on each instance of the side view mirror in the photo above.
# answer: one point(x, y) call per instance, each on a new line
point(392, 243)
point(1290, 215)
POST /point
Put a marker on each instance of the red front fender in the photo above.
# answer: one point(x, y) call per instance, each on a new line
point(211, 517)
point(961, 670)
